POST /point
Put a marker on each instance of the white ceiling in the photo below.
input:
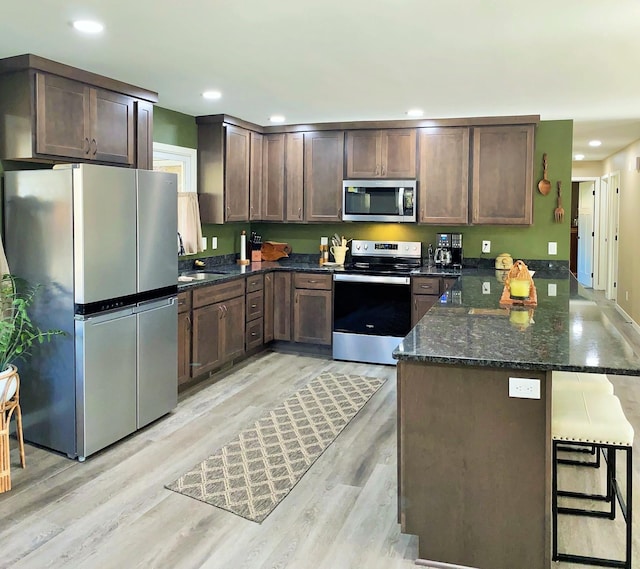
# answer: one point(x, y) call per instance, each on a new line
point(335, 60)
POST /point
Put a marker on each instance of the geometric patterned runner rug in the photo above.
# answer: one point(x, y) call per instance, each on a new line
point(253, 473)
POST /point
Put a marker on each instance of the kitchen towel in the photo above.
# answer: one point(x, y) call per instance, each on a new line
point(253, 473)
point(189, 225)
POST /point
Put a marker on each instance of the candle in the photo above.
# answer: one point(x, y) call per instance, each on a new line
point(243, 246)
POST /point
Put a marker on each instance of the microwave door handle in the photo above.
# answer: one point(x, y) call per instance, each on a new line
point(400, 201)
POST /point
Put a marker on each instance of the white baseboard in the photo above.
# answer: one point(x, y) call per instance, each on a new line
point(628, 318)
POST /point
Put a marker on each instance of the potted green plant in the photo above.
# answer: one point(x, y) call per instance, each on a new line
point(17, 331)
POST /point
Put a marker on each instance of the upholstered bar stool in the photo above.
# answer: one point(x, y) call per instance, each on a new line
point(583, 382)
point(9, 404)
point(597, 419)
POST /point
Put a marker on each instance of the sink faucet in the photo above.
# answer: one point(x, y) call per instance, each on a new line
point(180, 245)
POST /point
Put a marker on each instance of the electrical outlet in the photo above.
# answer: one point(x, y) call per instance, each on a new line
point(553, 248)
point(552, 289)
point(204, 243)
point(524, 388)
point(486, 246)
point(214, 242)
point(486, 287)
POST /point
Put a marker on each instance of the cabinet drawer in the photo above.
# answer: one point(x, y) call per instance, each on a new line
point(254, 334)
point(217, 293)
point(312, 280)
point(184, 301)
point(255, 282)
point(255, 304)
point(425, 285)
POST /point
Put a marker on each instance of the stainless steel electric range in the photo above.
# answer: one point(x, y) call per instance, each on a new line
point(372, 300)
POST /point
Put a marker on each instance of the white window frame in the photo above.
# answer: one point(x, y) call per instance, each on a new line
point(186, 159)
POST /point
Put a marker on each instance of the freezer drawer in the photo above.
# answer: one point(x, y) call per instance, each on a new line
point(105, 380)
point(157, 388)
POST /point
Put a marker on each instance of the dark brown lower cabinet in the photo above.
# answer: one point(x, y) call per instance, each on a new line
point(425, 293)
point(184, 336)
point(218, 334)
point(255, 335)
point(312, 311)
point(268, 307)
point(312, 308)
point(282, 306)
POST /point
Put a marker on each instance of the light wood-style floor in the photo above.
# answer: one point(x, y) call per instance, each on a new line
point(113, 510)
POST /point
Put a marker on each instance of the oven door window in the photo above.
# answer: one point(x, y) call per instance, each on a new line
point(372, 308)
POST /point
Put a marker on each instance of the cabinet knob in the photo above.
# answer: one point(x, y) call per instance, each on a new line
point(88, 144)
point(384, 170)
point(426, 286)
point(188, 319)
point(299, 213)
point(95, 146)
point(253, 334)
point(253, 305)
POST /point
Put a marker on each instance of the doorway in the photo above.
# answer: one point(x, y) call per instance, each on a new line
point(583, 229)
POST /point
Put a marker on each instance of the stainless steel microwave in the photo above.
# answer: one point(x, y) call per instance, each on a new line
point(379, 200)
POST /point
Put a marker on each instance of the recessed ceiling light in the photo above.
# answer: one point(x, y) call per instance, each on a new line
point(212, 95)
point(276, 118)
point(88, 26)
point(595, 143)
point(415, 112)
point(579, 157)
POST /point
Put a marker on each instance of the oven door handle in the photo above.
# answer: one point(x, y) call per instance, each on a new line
point(371, 279)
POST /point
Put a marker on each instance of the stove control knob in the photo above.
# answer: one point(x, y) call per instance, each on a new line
point(366, 246)
point(358, 247)
point(415, 247)
point(406, 247)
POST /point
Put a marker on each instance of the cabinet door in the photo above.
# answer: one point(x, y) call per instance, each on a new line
point(64, 117)
point(232, 337)
point(312, 312)
point(443, 182)
point(207, 327)
point(502, 189)
point(364, 154)
point(398, 153)
point(294, 169)
point(255, 178)
point(421, 303)
point(324, 169)
point(282, 306)
point(144, 135)
point(268, 307)
point(184, 347)
point(236, 174)
point(112, 119)
point(273, 177)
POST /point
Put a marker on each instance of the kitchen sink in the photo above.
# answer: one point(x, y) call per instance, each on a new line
point(190, 276)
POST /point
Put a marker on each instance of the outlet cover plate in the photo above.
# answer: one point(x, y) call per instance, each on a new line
point(524, 388)
point(486, 246)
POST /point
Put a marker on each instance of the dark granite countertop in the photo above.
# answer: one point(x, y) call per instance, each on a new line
point(222, 273)
point(567, 332)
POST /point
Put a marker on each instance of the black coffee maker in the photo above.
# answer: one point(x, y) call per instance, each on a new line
point(448, 250)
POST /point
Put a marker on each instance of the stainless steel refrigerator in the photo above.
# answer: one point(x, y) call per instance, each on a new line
point(101, 241)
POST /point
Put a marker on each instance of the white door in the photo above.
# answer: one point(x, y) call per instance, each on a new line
point(585, 233)
point(602, 235)
point(612, 236)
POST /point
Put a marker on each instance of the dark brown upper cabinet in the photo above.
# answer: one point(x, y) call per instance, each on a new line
point(294, 175)
point(323, 173)
point(502, 184)
point(273, 177)
point(51, 112)
point(443, 179)
point(236, 173)
point(389, 153)
point(255, 177)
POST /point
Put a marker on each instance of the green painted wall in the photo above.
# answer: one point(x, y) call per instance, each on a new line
point(172, 127)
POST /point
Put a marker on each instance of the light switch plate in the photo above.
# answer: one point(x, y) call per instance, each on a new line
point(552, 289)
point(204, 243)
point(553, 248)
point(486, 287)
point(214, 242)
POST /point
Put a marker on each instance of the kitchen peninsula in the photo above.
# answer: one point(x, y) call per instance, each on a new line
point(474, 480)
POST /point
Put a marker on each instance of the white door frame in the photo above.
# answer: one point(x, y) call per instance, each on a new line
point(598, 263)
point(613, 220)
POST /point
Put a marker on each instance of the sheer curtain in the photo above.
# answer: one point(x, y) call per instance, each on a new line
point(189, 222)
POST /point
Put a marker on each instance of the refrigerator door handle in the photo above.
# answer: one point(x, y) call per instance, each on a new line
point(105, 317)
point(154, 304)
